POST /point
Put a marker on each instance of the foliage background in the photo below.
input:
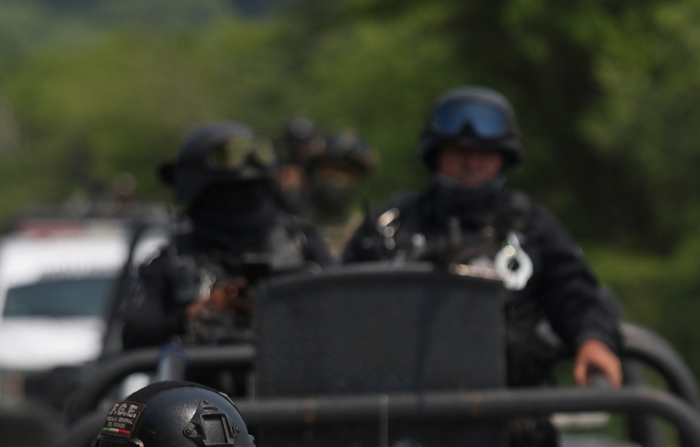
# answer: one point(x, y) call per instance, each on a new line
point(607, 94)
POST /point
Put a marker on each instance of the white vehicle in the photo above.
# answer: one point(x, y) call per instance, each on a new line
point(57, 283)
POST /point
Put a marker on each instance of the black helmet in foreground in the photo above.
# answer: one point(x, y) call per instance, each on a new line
point(174, 414)
point(221, 152)
point(345, 147)
point(472, 116)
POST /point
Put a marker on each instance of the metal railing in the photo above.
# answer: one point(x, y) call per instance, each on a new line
point(475, 406)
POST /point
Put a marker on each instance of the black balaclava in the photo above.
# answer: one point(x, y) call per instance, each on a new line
point(234, 215)
point(469, 205)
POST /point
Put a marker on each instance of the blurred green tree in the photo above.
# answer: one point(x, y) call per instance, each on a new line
point(605, 90)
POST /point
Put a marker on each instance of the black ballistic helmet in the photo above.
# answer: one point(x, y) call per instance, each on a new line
point(469, 116)
point(222, 152)
point(301, 139)
point(174, 414)
point(299, 128)
point(345, 147)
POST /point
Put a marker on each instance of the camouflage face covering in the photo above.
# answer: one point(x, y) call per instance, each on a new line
point(335, 190)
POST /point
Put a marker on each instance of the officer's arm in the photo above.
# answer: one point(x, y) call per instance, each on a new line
point(575, 307)
point(315, 250)
point(352, 250)
point(150, 323)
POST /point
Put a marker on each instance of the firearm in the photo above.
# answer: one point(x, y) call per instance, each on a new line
point(223, 314)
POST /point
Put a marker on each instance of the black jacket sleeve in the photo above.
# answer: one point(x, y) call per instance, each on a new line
point(566, 288)
point(315, 250)
point(156, 316)
point(354, 250)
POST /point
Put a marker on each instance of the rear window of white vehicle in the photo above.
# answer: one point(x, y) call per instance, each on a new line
point(61, 298)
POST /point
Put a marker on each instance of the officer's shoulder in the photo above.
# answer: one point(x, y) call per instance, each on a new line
point(542, 213)
point(543, 220)
point(308, 238)
point(520, 200)
point(155, 262)
point(293, 222)
point(158, 256)
point(298, 228)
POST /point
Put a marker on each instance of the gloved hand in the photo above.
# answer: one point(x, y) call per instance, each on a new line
point(228, 296)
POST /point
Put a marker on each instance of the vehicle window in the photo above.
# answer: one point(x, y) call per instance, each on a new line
point(73, 297)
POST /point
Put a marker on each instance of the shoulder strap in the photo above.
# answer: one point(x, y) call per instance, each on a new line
point(514, 214)
point(375, 237)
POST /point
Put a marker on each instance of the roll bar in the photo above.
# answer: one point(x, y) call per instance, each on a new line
point(654, 351)
point(474, 406)
point(639, 343)
point(113, 370)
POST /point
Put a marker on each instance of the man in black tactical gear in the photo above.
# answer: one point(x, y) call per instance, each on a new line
point(300, 141)
point(174, 414)
point(231, 234)
point(469, 220)
point(336, 176)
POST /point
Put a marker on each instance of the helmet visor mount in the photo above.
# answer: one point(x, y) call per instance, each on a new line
point(483, 120)
point(126, 442)
point(237, 152)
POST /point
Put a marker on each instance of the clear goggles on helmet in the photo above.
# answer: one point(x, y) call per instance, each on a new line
point(483, 120)
point(238, 152)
